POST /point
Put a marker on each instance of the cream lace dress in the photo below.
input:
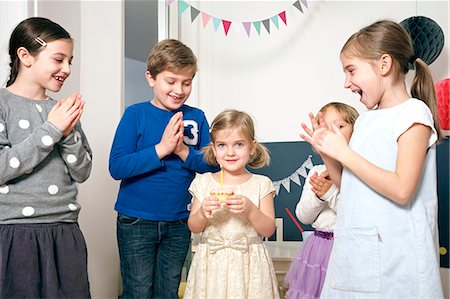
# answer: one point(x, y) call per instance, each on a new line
point(231, 261)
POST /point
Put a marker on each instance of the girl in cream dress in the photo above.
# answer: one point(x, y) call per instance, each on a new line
point(233, 210)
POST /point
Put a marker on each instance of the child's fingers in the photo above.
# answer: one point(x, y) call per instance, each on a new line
point(321, 118)
point(324, 174)
point(313, 120)
point(307, 129)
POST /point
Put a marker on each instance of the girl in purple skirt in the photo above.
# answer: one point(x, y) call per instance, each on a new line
point(317, 207)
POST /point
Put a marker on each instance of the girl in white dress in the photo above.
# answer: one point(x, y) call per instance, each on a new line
point(385, 238)
point(231, 260)
point(317, 206)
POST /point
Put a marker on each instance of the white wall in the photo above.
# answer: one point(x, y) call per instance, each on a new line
point(101, 83)
point(280, 77)
point(11, 13)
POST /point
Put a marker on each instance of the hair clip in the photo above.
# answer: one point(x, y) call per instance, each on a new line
point(40, 41)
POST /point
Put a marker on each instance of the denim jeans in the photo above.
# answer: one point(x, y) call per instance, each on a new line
point(152, 255)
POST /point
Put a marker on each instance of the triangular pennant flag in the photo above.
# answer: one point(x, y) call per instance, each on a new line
point(216, 23)
point(226, 26)
point(286, 184)
point(205, 19)
point(277, 188)
point(298, 6)
point(308, 163)
point(247, 26)
point(274, 20)
point(257, 26)
point(302, 171)
point(282, 16)
point(169, 2)
point(266, 25)
point(194, 13)
point(295, 178)
point(182, 6)
point(304, 3)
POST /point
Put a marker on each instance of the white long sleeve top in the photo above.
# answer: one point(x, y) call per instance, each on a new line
point(319, 212)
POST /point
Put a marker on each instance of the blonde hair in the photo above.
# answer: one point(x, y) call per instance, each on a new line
point(389, 37)
point(238, 120)
point(348, 113)
point(171, 55)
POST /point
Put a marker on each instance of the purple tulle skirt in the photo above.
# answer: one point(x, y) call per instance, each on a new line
point(306, 275)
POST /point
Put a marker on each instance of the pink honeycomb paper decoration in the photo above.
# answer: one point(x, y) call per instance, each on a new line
point(442, 88)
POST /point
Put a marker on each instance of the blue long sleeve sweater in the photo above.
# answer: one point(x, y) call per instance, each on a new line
point(151, 188)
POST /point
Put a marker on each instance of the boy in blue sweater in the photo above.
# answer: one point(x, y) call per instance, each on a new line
point(155, 154)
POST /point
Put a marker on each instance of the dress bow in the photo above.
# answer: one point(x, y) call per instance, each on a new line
point(216, 244)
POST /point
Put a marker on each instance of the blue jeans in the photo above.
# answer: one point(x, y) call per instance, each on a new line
point(152, 255)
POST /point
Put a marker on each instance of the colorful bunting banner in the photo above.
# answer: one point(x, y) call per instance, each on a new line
point(294, 177)
point(247, 25)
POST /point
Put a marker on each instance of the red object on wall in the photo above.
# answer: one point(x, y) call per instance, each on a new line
point(442, 88)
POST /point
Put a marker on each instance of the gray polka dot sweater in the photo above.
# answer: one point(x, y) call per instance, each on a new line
point(39, 168)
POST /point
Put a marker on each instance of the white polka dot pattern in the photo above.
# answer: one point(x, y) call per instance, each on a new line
point(4, 189)
point(28, 211)
point(72, 207)
point(76, 136)
point(2, 127)
point(14, 162)
point(47, 140)
point(52, 189)
point(24, 124)
point(71, 158)
point(38, 107)
point(88, 157)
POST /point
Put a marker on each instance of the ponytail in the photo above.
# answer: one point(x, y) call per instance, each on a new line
point(422, 88)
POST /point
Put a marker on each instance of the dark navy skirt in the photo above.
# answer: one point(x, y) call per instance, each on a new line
point(43, 261)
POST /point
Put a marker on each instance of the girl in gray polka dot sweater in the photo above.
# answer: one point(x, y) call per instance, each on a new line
point(39, 166)
point(43, 155)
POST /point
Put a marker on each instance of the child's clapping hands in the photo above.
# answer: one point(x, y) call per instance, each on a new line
point(320, 183)
point(66, 113)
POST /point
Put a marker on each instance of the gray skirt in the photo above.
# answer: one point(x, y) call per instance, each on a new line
point(43, 261)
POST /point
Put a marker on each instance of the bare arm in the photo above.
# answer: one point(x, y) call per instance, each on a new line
point(398, 185)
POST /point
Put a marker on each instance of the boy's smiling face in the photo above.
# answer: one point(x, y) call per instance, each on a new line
point(171, 89)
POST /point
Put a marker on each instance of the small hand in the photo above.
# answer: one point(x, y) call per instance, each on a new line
point(181, 149)
point(320, 183)
point(239, 204)
point(171, 136)
point(66, 113)
point(330, 142)
point(209, 205)
point(315, 126)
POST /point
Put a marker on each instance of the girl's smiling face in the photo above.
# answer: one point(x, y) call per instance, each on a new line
point(232, 150)
point(52, 66)
point(363, 78)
